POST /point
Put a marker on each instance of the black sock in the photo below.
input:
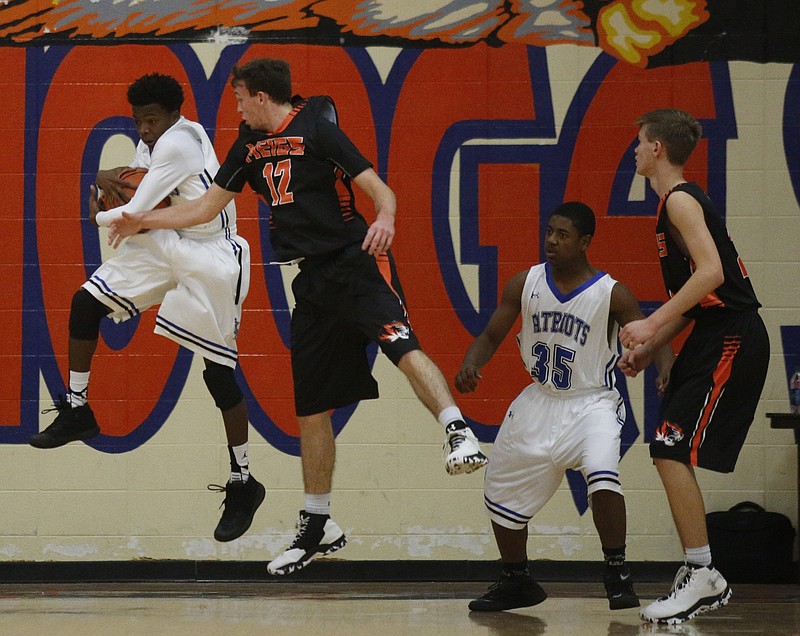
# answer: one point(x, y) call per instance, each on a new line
point(614, 557)
point(515, 570)
point(238, 472)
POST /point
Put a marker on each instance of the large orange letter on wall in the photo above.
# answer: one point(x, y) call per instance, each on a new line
point(12, 139)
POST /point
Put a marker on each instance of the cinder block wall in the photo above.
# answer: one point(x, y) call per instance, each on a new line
point(477, 144)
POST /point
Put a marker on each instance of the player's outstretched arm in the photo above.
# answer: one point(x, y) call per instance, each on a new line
point(186, 214)
point(484, 346)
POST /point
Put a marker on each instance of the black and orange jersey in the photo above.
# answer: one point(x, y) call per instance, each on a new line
point(303, 171)
point(736, 292)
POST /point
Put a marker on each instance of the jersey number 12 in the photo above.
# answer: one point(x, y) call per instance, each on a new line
point(278, 176)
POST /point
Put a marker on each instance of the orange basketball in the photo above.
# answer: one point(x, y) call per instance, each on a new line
point(106, 201)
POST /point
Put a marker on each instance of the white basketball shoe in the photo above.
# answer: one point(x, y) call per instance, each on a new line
point(694, 591)
point(461, 451)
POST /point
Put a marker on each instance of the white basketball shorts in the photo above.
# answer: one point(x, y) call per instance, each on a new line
point(540, 438)
point(200, 285)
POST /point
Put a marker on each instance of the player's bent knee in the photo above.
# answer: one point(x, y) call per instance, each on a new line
point(222, 385)
point(85, 315)
point(405, 354)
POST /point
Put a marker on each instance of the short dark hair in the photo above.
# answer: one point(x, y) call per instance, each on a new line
point(270, 76)
point(580, 214)
point(155, 88)
point(676, 129)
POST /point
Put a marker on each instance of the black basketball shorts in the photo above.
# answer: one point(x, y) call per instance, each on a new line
point(343, 303)
point(713, 392)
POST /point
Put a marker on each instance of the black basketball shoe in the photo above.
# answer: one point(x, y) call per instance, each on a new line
point(619, 588)
point(70, 425)
point(242, 499)
point(510, 592)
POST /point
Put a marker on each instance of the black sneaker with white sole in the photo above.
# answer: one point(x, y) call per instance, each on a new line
point(317, 535)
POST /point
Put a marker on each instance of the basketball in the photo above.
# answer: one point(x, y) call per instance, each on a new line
point(106, 201)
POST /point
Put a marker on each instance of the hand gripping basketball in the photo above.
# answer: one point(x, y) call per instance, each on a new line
point(107, 200)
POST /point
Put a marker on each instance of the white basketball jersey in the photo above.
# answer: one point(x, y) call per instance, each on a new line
point(564, 341)
point(182, 166)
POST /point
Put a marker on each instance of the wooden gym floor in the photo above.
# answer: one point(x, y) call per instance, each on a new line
point(355, 609)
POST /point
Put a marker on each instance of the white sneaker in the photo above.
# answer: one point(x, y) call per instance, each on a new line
point(317, 535)
point(461, 451)
point(694, 591)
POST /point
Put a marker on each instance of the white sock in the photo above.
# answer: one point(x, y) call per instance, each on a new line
point(698, 556)
point(318, 504)
point(449, 415)
point(240, 462)
point(78, 388)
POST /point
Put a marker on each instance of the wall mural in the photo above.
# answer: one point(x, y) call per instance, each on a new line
point(464, 128)
point(642, 32)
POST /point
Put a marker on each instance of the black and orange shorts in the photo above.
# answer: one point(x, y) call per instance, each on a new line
point(343, 303)
point(713, 392)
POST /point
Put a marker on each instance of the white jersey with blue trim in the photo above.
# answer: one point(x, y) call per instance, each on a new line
point(182, 166)
point(564, 340)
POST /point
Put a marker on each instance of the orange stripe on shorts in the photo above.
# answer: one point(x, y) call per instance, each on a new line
point(720, 377)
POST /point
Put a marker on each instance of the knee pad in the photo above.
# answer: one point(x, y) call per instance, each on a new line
point(85, 315)
point(222, 385)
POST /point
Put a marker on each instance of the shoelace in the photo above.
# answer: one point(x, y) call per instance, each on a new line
point(302, 526)
point(682, 579)
point(456, 439)
point(218, 488)
point(59, 406)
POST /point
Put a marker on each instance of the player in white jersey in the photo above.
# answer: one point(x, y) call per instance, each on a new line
point(569, 417)
point(199, 276)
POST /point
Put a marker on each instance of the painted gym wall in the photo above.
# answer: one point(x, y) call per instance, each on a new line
point(479, 142)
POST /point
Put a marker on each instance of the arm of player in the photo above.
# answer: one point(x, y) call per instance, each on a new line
point(94, 205)
point(485, 345)
point(170, 165)
point(689, 230)
point(664, 359)
point(639, 357)
point(624, 310)
point(381, 233)
point(186, 214)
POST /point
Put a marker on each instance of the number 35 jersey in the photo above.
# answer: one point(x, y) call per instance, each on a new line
point(564, 340)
